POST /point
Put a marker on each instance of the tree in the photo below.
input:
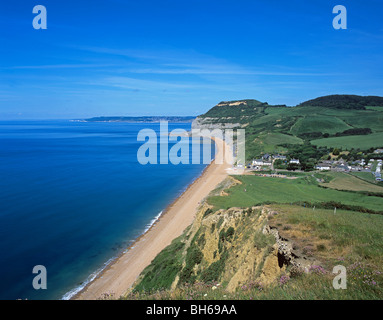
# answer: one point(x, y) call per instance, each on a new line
point(336, 152)
point(292, 167)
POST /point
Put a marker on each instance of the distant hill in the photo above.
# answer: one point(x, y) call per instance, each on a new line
point(301, 131)
point(147, 119)
point(345, 102)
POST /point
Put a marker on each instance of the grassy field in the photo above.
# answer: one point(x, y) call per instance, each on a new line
point(254, 190)
point(366, 119)
point(362, 142)
point(375, 108)
point(368, 176)
point(346, 233)
point(344, 181)
point(319, 123)
point(270, 143)
point(279, 138)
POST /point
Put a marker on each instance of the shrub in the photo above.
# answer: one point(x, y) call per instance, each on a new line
point(262, 241)
point(229, 233)
point(214, 271)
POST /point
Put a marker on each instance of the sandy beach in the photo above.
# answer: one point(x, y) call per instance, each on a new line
point(122, 273)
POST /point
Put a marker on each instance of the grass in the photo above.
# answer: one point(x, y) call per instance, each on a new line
point(306, 287)
point(270, 143)
point(375, 108)
point(263, 190)
point(366, 119)
point(319, 123)
point(362, 142)
point(279, 138)
point(355, 234)
point(344, 181)
point(163, 270)
point(368, 176)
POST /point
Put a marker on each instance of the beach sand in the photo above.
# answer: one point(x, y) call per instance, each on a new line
point(118, 277)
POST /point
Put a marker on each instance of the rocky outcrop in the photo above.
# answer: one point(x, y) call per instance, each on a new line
point(287, 255)
point(212, 123)
point(233, 249)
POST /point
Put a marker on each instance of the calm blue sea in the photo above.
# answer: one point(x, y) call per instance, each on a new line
point(72, 197)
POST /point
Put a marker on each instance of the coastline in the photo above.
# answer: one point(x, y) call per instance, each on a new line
point(120, 274)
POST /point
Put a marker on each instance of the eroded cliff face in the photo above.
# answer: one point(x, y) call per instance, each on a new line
point(211, 123)
point(226, 115)
point(234, 247)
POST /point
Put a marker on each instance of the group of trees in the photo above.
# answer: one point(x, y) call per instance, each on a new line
point(344, 102)
point(354, 132)
point(348, 132)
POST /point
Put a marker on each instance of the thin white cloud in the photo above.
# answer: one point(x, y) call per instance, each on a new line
point(58, 66)
point(225, 71)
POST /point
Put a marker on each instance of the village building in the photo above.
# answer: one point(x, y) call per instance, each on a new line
point(257, 162)
point(266, 156)
point(341, 168)
point(323, 167)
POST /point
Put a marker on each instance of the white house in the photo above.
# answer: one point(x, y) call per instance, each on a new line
point(296, 161)
point(322, 167)
point(258, 162)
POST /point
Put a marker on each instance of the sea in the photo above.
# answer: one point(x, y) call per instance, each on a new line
point(73, 197)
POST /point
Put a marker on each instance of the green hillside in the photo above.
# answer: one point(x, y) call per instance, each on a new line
point(311, 129)
point(363, 142)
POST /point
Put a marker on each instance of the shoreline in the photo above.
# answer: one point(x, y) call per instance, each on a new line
point(121, 272)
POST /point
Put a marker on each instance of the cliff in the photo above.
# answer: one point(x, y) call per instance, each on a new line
point(233, 247)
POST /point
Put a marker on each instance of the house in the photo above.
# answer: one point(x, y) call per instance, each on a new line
point(296, 161)
point(378, 151)
point(258, 162)
point(322, 167)
point(341, 168)
point(266, 156)
point(341, 162)
point(267, 163)
point(279, 157)
point(359, 162)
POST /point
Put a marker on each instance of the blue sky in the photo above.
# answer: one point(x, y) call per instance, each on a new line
point(173, 57)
